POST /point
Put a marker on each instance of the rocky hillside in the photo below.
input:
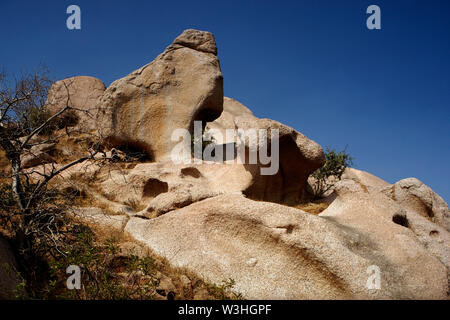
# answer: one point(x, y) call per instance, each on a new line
point(225, 220)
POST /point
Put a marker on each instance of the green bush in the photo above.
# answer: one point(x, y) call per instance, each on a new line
point(331, 172)
point(224, 291)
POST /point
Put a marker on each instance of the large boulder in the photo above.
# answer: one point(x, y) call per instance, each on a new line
point(82, 93)
point(182, 85)
point(199, 219)
point(277, 252)
point(360, 193)
point(298, 158)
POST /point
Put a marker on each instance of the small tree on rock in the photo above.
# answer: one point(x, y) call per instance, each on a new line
point(331, 172)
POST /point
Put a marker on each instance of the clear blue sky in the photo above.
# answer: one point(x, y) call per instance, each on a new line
point(310, 64)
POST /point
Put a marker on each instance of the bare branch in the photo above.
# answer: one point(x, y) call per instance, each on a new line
point(42, 126)
point(53, 174)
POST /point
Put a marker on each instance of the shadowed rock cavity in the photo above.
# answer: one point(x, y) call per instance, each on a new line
point(154, 187)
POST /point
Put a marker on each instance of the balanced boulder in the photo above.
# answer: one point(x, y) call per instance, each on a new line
point(182, 85)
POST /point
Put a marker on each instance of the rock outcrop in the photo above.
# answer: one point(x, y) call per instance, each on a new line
point(360, 193)
point(298, 155)
point(417, 197)
point(223, 219)
point(182, 85)
point(277, 252)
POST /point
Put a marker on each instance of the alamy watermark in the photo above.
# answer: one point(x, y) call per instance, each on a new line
point(374, 20)
point(74, 280)
point(374, 280)
point(249, 146)
point(73, 22)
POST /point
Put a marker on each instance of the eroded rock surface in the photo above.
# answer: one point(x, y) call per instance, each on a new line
point(219, 220)
point(298, 155)
point(418, 197)
point(181, 85)
point(278, 252)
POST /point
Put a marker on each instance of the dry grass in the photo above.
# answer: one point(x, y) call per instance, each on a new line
point(4, 163)
point(5, 167)
point(135, 204)
point(195, 288)
point(70, 148)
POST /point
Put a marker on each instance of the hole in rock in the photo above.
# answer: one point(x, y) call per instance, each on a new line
point(289, 228)
point(191, 171)
point(161, 292)
point(134, 153)
point(287, 185)
point(434, 233)
point(171, 295)
point(141, 217)
point(206, 114)
point(154, 187)
point(401, 219)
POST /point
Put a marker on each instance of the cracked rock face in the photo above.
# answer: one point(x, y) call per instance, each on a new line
point(181, 85)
